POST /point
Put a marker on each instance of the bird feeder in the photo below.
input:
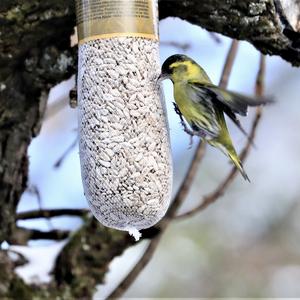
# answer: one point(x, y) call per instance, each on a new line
point(124, 143)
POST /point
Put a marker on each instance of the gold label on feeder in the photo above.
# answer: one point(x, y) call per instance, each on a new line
point(98, 19)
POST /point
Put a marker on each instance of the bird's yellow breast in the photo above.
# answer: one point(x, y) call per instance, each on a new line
point(197, 113)
point(185, 105)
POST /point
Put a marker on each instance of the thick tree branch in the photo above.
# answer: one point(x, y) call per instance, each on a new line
point(21, 236)
point(270, 25)
point(84, 261)
point(11, 286)
point(34, 55)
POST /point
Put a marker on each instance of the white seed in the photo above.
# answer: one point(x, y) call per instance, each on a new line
point(108, 97)
point(104, 119)
point(109, 152)
point(152, 147)
point(139, 157)
point(135, 175)
point(104, 112)
point(123, 172)
point(134, 113)
point(117, 126)
point(103, 135)
point(104, 156)
point(103, 170)
point(118, 139)
point(104, 163)
point(112, 74)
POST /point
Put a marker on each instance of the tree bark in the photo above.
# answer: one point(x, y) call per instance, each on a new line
point(35, 54)
point(271, 26)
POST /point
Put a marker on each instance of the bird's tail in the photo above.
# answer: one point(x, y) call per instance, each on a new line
point(237, 162)
point(228, 149)
point(224, 143)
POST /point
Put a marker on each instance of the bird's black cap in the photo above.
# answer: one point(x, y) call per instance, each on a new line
point(170, 60)
point(166, 70)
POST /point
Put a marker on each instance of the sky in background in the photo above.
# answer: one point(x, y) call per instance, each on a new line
point(247, 243)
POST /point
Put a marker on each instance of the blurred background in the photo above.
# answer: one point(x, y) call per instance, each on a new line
point(247, 244)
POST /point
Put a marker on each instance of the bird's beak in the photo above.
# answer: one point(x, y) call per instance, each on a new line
point(162, 77)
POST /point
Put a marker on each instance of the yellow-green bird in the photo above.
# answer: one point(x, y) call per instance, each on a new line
point(203, 104)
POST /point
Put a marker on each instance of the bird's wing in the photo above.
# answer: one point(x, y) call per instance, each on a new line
point(238, 103)
point(235, 120)
point(210, 95)
point(202, 114)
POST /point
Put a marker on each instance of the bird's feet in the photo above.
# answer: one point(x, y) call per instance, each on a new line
point(190, 132)
point(186, 129)
point(178, 112)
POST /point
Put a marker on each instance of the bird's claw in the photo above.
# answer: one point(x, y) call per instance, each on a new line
point(190, 132)
point(178, 112)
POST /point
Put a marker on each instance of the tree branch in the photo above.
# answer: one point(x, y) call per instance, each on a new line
point(271, 26)
point(137, 269)
point(84, 261)
point(11, 286)
point(21, 236)
point(49, 213)
point(35, 54)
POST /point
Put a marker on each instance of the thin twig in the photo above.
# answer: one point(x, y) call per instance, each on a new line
point(66, 153)
point(181, 46)
point(35, 191)
point(137, 269)
point(215, 37)
point(260, 78)
point(50, 213)
point(20, 259)
point(180, 196)
point(228, 64)
point(47, 235)
point(212, 197)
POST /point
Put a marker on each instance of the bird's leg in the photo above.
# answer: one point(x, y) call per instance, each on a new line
point(199, 132)
point(178, 112)
point(190, 132)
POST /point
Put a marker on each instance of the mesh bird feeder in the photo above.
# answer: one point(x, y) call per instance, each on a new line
point(124, 143)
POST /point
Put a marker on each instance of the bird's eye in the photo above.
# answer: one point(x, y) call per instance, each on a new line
point(167, 69)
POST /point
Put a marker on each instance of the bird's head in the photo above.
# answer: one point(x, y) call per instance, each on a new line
point(180, 67)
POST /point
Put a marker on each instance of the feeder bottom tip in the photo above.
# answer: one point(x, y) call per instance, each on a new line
point(135, 233)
